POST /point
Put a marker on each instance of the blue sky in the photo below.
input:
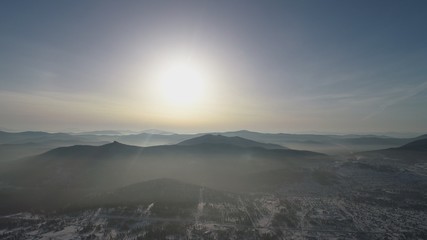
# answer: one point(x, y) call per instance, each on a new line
point(277, 66)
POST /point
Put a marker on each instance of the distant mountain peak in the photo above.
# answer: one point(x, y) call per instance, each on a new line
point(157, 131)
point(235, 141)
point(114, 143)
point(117, 145)
point(245, 131)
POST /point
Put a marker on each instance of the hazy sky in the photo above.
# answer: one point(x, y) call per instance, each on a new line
point(276, 66)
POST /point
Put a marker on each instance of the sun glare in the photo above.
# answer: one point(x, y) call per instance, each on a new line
point(181, 83)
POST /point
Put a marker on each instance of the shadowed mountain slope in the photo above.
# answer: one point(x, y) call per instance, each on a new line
point(109, 150)
point(419, 145)
point(410, 154)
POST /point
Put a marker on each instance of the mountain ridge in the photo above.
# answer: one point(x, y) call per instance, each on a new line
point(237, 141)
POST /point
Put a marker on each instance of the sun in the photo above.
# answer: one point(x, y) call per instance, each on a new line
point(181, 86)
point(181, 83)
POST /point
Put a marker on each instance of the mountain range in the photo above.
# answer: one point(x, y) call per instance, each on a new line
point(209, 184)
point(220, 162)
point(17, 145)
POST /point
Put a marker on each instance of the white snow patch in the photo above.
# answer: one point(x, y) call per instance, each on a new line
point(66, 233)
